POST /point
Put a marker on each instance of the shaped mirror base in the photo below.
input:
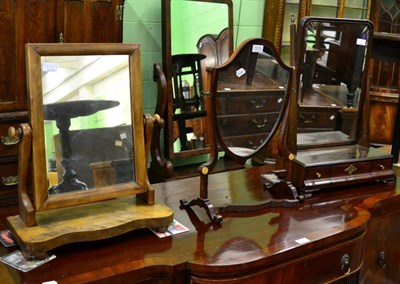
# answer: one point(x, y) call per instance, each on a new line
point(202, 203)
point(94, 221)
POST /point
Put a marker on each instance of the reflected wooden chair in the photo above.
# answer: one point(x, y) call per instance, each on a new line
point(187, 93)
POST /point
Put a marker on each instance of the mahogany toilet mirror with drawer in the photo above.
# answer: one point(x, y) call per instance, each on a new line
point(83, 152)
point(327, 144)
point(184, 23)
point(249, 95)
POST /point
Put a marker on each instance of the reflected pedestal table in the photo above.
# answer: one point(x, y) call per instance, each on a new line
point(62, 113)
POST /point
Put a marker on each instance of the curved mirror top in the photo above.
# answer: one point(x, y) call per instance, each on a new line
point(87, 121)
point(251, 94)
point(332, 82)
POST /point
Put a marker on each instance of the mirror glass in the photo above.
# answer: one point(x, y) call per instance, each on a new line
point(189, 22)
point(251, 92)
point(332, 81)
point(87, 121)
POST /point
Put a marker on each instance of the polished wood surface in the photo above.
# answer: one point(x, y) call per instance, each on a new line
point(384, 73)
point(95, 221)
point(386, 47)
point(253, 246)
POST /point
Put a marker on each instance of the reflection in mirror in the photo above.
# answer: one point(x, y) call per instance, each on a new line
point(189, 22)
point(251, 92)
point(249, 95)
point(331, 60)
point(87, 121)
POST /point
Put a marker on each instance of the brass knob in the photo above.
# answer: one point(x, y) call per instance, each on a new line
point(9, 181)
point(318, 175)
point(12, 138)
point(382, 167)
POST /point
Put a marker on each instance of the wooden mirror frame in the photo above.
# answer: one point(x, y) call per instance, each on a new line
point(41, 200)
point(52, 220)
point(361, 132)
point(219, 143)
point(167, 68)
point(331, 162)
point(246, 71)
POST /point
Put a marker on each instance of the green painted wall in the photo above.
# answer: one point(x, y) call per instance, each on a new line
point(142, 24)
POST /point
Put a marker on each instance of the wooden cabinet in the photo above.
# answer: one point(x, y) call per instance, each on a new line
point(89, 21)
point(280, 14)
point(385, 80)
point(382, 254)
point(334, 237)
point(23, 21)
point(344, 260)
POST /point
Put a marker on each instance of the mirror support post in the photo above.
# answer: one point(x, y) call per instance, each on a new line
point(26, 209)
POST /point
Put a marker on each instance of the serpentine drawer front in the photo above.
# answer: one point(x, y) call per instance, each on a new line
point(319, 266)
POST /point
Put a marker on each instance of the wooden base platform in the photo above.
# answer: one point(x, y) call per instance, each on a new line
point(95, 221)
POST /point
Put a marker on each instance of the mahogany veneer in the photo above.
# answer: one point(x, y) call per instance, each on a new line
point(305, 244)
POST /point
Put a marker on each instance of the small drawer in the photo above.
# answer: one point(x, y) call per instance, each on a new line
point(8, 147)
point(318, 173)
point(334, 263)
point(246, 141)
point(382, 165)
point(325, 119)
point(316, 177)
point(351, 169)
point(250, 102)
point(230, 125)
point(382, 169)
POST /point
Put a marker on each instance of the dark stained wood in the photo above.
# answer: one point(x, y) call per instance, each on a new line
point(384, 74)
point(257, 245)
point(79, 21)
point(386, 47)
point(383, 116)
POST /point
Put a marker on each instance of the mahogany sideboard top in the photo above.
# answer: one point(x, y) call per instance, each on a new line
point(246, 246)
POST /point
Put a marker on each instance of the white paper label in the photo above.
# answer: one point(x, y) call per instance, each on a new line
point(361, 41)
point(257, 48)
point(302, 241)
point(49, 67)
point(240, 72)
